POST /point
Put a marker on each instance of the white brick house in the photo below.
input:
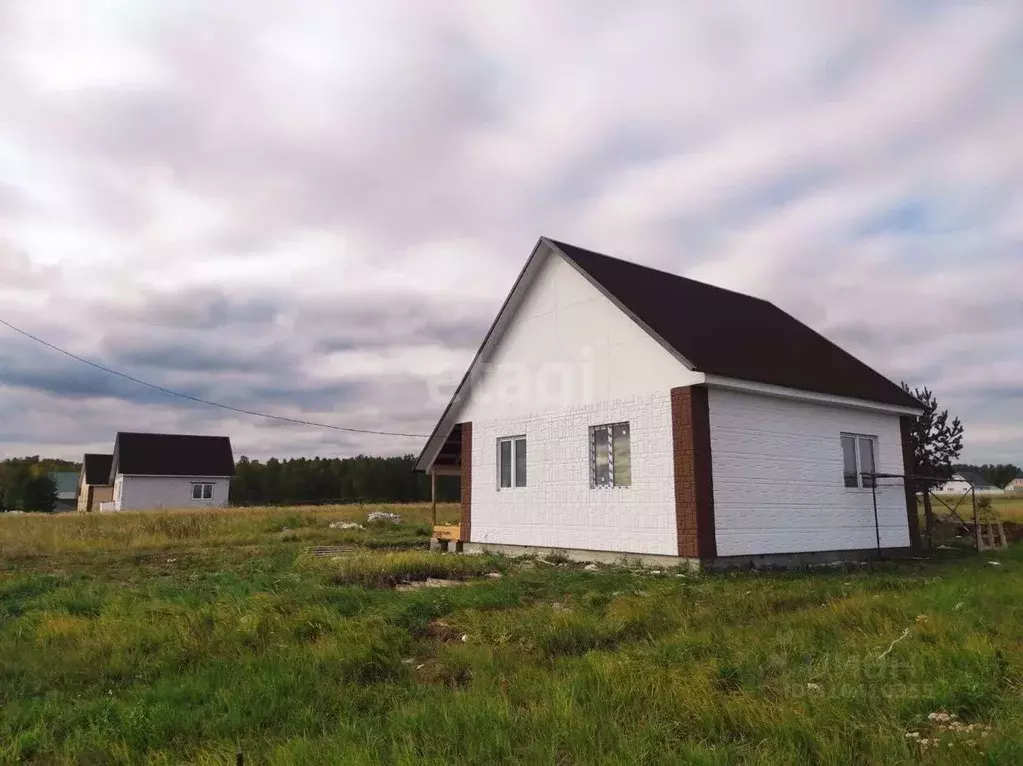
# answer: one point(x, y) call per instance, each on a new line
point(615, 409)
point(170, 471)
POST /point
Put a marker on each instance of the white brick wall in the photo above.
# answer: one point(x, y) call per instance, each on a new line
point(778, 484)
point(558, 509)
point(143, 493)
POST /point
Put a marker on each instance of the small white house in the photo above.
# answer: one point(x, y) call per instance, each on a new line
point(968, 481)
point(164, 471)
point(616, 409)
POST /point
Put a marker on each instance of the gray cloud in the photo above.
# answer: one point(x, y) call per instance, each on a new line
point(313, 209)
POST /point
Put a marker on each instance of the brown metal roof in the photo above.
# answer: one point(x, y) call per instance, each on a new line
point(97, 469)
point(173, 455)
point(720, 332)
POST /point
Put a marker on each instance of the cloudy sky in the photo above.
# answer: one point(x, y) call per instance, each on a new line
point(312, 208)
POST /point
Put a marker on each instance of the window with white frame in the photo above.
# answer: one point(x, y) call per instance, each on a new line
point(858, 458)
point(610, 456)
point(511, 462)
point(202, 491)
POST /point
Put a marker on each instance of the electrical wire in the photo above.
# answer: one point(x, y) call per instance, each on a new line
point(207, 402)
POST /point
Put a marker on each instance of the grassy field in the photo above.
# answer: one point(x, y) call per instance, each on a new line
point(184, 637)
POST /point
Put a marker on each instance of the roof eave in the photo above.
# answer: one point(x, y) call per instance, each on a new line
point(784, 392)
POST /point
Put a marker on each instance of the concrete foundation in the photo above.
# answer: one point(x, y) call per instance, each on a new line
point(767, 561)
point(584, 556)
point(812, 558)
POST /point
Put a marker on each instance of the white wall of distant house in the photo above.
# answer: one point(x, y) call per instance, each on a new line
point(778, 477)
point(959, 486)
point(143, 493)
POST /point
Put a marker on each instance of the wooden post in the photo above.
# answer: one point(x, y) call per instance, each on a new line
point(928, 517)
point(433, 496)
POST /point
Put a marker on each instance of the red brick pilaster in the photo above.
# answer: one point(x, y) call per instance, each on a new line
point(909, 466)
point(466, 522)
point(694, 487)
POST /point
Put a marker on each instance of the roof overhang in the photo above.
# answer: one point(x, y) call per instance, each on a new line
point(767, 389)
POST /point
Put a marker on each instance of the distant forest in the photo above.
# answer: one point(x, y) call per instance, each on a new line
point(303, 481)
point(25, 482)
point(996, 475)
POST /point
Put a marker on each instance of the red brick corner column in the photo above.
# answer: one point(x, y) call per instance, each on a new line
point(694, 487)
point(466, 494)
point(908, 466)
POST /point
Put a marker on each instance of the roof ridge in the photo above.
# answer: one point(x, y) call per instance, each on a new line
point(560, 244)
point(151, 433)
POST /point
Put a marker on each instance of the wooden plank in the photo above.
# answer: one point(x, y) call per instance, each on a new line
point(446, 532)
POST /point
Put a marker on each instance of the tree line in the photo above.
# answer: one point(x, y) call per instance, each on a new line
point(25, 483)
point(305, 481)
point(997, 475)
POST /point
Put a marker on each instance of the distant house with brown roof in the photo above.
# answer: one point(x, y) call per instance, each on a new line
point(94, 486)
point(165, 471)
point(617, 409)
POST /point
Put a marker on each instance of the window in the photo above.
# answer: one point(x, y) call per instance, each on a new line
point(610, 456)
point(202, 491)
point(857, 459)
point(511, 462)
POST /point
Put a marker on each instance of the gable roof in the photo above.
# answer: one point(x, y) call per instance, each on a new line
point(974, 478)
point(720, 332)
point(709, 329)
point(172, 455)
point(97, 468)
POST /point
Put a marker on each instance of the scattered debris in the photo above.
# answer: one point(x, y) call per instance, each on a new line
point(958, 606)
point(655, 572)
point(949, 723)
point(995, 563)
point(905, 634)
point(922, 618)
point(494, 575)
point(429, 582)
point(557, 606)
point(591, 568)
point(345, 525)
point(382, 517)
point(813, 687)
point(332, 551)
point(465, 638)
point(287, 534)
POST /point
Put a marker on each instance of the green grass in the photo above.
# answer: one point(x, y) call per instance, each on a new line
point(166, 645)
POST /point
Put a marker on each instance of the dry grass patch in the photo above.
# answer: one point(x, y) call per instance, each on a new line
point(385, 569)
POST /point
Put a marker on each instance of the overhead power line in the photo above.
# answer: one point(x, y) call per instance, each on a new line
point(207, 402)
